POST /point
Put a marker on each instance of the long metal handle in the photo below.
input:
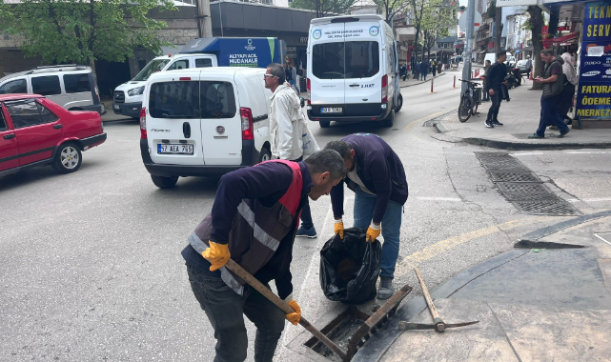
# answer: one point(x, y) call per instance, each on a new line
point(253, 282)
point(427, 296)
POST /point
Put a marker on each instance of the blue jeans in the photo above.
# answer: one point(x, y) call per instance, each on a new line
point(364, 207)
point(294, 84)
point(550, 115)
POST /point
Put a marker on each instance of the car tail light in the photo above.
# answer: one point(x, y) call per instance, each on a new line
point(309, 88)
point(247, 127)
point(385, 89)
point(143, 134)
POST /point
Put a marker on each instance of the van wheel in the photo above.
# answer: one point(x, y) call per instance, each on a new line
point(388, 121)
point(265, 154)
point(324, 124)
point(68, 158)
point(399, 103)
point(164, 182)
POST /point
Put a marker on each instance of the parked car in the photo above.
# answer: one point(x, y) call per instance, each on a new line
point(35, 131)
point(204, 122)
point(523, 66)
point(71, 86)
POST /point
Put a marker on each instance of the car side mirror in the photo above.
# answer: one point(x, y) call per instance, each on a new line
point(301, 101)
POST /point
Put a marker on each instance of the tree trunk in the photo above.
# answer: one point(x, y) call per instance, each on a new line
point(536, 23)
point(498, 28)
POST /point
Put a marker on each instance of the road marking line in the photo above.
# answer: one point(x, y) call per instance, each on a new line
point(453, 199)
point(600, 237)
point(527, 154)
point(425, 119)
point(442, 246)
point(590, 200)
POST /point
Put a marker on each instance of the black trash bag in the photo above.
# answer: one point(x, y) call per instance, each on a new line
point(349, 268)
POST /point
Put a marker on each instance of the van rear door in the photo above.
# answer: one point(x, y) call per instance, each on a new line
point(173, 119)
point(363, 65)
point(221, 124)
point(326, 69)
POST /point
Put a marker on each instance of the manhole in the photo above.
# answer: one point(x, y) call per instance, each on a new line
point(525, 191)
point(500, 161)
point(513, 176)
point(546, 207)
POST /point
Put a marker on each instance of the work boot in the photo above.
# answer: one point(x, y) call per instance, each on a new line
point(307, 232)
point(385, 289)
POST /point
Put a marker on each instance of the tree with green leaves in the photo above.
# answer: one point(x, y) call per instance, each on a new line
point(437, 18)
point(324, 7)
point(391, 8)
point(82, 31)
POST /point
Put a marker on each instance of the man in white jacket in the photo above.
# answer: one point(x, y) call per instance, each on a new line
point(286, 129)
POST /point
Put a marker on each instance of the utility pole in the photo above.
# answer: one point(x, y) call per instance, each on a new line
point(204, 21)
point(466, 71)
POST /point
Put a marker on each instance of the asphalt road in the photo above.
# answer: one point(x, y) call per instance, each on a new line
point(90, 265)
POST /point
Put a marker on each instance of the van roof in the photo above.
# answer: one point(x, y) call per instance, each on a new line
point(327, 20)
point(48, 69)
point(211, 70)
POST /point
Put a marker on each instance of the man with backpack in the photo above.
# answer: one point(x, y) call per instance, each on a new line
point(552, 81)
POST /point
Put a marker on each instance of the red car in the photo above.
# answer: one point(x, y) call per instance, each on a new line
point(35, 131)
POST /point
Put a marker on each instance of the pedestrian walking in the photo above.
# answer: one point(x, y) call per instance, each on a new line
point(434, 67)
point(286, 131)
point(404, 71)
point(529, 65)
point(424, 69)
point(376, 175)
point(552, 81)
point(486, 95)
point(495, 80)
point(417, 71)
point(568, 89)
point(293, 80)
point(253, 221)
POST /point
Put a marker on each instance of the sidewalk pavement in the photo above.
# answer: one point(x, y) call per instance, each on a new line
point(520, 117)
point(412, 82)
point(545, 304)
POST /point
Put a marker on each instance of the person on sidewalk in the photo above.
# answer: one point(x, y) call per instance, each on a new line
point(293, 81)
point(424, 69)
point(416, 71)
point(253, 220)
point(285, 123)
point(377, 177)
point(434, 68)
point(486, 95)
point(552, 81)
point(569, 83)
point(529, 65)
point(495, 79)
point(404, 71)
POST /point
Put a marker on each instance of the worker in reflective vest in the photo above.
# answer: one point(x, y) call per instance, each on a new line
point(254, 220)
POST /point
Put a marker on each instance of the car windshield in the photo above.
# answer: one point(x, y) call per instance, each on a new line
point(156, 65)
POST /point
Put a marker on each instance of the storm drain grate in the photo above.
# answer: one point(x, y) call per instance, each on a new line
point(499, 160)
point(525, 191)
point(513, 176)
point(556, 207)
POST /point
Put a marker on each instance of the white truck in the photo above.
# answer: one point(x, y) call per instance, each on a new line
point(199, 53)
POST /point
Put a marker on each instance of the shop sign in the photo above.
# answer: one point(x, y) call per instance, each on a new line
point(594, 93)
point(303, 39)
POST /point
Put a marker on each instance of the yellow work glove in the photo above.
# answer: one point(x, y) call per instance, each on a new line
point(373, 232)
point(338, 228)
point(296, 316)
point(217, 255)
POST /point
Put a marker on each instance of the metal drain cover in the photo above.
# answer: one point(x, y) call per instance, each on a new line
point(498, 160)
point(525, 191)
point(546, 207)
point(513, 176)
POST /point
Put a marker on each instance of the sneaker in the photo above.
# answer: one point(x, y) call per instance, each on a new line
point(307, 232)
point(497, 123)
point(385, 289)
point(562, 134)
point(489, 125)
point(534, 135)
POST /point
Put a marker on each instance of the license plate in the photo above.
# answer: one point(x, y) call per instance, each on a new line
point(116, 107)
point(175, 149)
point(331, 110)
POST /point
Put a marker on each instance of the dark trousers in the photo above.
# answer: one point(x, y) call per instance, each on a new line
point(550, 115)
point(306, 213)
point(493, 112)
point(485, 94)
point(226, 309)
point(566, 98)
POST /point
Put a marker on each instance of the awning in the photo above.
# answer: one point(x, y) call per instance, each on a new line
point(562, 39)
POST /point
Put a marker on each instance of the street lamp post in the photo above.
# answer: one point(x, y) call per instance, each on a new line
point(466, 72)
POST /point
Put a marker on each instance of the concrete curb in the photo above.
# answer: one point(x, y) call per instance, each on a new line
point(411, 85)
point(379, 343)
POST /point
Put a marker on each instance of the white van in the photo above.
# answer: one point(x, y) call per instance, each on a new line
point(69, 85)
point(127, 97)
point(204, 122)
point(353, 70)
